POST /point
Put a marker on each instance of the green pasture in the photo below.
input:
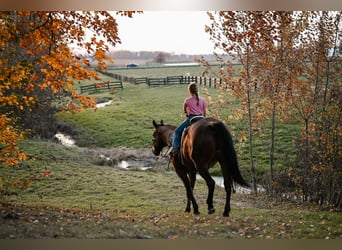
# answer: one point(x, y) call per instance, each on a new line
point(163, 71)
point(127, 122)
point(85, 199)
point(84, 196)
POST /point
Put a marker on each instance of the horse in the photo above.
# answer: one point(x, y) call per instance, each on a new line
point(203, 144)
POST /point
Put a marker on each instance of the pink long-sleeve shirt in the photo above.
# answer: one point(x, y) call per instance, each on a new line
point(191, 108)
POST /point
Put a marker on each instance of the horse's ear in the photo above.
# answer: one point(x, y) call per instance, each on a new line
point(161, 122)
point(154, 124)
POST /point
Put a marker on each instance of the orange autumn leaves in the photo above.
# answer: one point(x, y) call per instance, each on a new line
point(35, 56)
point(9, 137)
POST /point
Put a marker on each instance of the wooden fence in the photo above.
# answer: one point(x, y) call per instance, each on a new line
point(140, 80)
point(169, 80)
point(118, 76)
point(103, 86)
point(210, 82)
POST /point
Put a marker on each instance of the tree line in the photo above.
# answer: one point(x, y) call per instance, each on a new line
point(291, 69)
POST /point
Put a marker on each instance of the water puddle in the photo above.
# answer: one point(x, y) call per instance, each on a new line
point(240, 190)
point(65, 140)
point(103, 104)
point(134, 164)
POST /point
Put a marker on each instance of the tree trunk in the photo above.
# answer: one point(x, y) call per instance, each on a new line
point(250, 136)
point(272, 145)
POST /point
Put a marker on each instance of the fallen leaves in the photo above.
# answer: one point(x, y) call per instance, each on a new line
point(65, 222)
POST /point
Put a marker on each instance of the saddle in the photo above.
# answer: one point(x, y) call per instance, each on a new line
point(192, 121)
point(185, 131)
point(196, 118)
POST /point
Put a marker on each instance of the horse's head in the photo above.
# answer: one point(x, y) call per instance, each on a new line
point(160, 137)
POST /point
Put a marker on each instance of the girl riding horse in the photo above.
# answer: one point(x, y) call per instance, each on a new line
point(194, 107)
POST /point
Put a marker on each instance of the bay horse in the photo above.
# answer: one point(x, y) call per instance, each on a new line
point(204, 143)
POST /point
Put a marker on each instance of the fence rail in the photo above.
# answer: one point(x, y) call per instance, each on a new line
point(103, 86)
point(174, 79)
point(140, 80)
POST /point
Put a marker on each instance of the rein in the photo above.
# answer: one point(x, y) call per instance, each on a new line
point(168, 142)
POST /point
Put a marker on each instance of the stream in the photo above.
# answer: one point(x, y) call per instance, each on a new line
point(143, 164)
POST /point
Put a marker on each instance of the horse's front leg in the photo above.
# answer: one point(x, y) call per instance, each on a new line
point(189, 194)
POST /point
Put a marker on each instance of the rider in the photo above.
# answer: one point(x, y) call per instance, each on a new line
point(194, 106)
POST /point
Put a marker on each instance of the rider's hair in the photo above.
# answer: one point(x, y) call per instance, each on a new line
point(194, 90)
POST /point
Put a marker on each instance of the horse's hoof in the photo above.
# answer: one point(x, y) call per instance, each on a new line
point(225, 214)
point(211, 210)
point(197, 212)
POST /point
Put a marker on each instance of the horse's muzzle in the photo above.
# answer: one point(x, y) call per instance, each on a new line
point(155, 152)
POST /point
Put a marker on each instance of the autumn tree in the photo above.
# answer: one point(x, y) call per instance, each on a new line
point(317, 99)
point(38, 67)
point(239, 34)
point(277, 69)
point(290, 68)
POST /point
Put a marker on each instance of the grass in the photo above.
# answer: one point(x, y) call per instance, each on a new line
point(162, 71)
point(128, 122)
point(86, 197)
point(85, 200)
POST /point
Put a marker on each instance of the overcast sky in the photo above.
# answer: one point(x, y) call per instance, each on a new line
point(169, 31)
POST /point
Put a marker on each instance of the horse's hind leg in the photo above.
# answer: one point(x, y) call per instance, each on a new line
point(227, 185)
point(192, 180)
point(211, 187)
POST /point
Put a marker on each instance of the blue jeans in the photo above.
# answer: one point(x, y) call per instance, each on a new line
point(178, 133)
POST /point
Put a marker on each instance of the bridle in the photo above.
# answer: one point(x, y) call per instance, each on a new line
point(167, 152)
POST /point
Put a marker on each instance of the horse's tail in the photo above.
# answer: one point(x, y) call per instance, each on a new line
point(228, 150)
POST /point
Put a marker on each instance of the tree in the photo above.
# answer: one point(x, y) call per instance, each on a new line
point(317, 99)
point(277, 68)
point(161, 57)
point(37, 66)
point(290, 67)
point(237, 34)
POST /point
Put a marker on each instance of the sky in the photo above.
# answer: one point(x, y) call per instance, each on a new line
point(179, 32)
